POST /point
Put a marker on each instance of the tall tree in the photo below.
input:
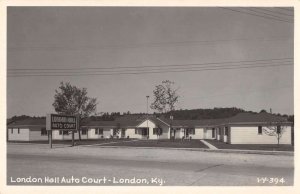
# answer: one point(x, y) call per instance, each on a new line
point(165, 99)
point(71, 100)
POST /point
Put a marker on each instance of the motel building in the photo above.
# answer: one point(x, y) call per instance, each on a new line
point(243, 128)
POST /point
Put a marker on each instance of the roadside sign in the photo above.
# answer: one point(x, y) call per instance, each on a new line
point(61, 122)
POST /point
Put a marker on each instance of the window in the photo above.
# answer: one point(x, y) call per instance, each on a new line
point(114, 132)
point(213, 132)
point(136, 131)
point(155, 131)
point(66, 132)
point(99, 131)
point(60, 132)
point(192, 131)
point(259, 130)
point(83, 131)
point(12, 130)
point(226, 131)
point(278, 129)
point(18, 130)
point(43, 131)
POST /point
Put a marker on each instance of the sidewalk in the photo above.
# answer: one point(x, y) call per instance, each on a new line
point(261, 152)
point(209, 145)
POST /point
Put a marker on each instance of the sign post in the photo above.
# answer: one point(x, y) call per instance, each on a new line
point(50, 138)
point(73, 138)
point(61, 122)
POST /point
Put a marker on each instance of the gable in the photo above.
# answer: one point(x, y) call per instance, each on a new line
point(151, 124)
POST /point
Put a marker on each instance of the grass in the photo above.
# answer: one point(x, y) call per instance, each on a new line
point(82, 142)
point(267, 147)
point(127, 142)
point(162, 143)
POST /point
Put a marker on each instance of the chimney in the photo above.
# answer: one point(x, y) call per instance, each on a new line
point(271, 110)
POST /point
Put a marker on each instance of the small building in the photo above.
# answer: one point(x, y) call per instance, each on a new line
point(253, 128)
point(31, 129)
point(243, 128)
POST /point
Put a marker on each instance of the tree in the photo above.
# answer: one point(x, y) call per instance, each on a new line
point(263, 111)
point(71, 100)
point(275, 129)
point(165, 98)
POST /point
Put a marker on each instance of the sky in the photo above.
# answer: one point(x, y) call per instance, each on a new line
point(217, 57)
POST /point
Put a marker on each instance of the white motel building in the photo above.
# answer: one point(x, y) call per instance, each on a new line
point(243, 128)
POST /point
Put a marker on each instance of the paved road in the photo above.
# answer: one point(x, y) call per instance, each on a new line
point(128, 166)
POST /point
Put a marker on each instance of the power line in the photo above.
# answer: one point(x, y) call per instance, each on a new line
point(184, 67)
point(271, 11)
point(148, 66)
point(262, 12)
point(136, 73)
point(286, 9)
point(142, 45)
point(266, 17)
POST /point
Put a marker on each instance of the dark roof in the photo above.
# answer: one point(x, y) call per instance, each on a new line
point(100, 124)
point(28, 121)
point(192, 123)
point(255, 118)
point(134, 120)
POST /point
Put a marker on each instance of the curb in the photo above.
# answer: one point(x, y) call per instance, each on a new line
point(262, 152)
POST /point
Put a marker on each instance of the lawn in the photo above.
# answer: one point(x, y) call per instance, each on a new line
point(161, 143)
point(267, 147)
point(77, 142)
point(127, 142)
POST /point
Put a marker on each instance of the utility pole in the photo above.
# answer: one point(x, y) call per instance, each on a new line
point(147, 117)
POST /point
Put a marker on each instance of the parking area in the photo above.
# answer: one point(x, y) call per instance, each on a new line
point(176, 167)
point(267, 147)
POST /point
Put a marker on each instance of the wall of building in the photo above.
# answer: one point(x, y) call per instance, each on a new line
point(23, 134)
point(36, 136)
point(107, 132)
point(208, 133)
point(199, 133)
point(150, 125)
point(179, 133)
point(56, 135)
point(249, 135)
point(165, 132)
point(131, 133)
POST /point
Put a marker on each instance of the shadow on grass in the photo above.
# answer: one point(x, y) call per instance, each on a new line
point(266, 147)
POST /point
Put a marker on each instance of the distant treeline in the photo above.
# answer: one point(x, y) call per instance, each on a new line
point(215, 113)
point(186, 114)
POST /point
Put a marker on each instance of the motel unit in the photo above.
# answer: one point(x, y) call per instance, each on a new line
point(243, 128)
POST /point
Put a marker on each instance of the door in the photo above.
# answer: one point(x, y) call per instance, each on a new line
point(187, 133)
point(123, 133)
